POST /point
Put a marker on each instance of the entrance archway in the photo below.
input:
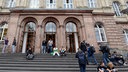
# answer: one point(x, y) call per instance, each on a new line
point(71, 37)
point(50, 31)
point(29, 36)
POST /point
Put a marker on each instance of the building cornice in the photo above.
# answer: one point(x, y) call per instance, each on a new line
point(40, 10)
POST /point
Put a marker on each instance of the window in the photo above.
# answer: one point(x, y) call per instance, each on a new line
point(125, 32)
point(127, 4)
point(50, 3)
point(30, 26)
point(71, 27)
point(50, 27)
point(100, 33)
point(92, 3)
point(10, 3)
point(68, 4)
point(3, 30)
point(116, 7)
point(34, 4)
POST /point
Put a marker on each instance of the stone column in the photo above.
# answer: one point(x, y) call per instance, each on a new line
point(42, 3)
point(59, 3)
point(1, 3)
point(12, 27)
point(38, 38)
point(89, 29)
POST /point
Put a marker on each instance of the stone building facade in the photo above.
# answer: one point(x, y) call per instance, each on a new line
point(67, 22)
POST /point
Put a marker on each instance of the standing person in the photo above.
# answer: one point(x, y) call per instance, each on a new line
point(83, 46)
point(5, 45)
point(90, 53)
point(106, 51)
point(44, 44)
point(14, 45)
point(50, 45)
point(81, 60)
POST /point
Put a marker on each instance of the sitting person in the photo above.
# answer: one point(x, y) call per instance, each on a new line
point(110, 67)
point(101, 67)
point(63, 51)
point(55, 51)
point(29, 54)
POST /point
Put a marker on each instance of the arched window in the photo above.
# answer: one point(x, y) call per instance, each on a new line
point(50, 3)
point(34, 4)
point(68, 4)
point(3, 30)
point(31, 26)
point(10, 3)
point(71, 27)
point(50, 27)
point(116, 7)
point(125, 32)
point(92, 3)
point(100, 33)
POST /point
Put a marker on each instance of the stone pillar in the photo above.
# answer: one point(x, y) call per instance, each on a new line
point(38, 38)
point(1, 3)
point(89, 29)
point(42, 3)
point(60, 3)
point(12, 27)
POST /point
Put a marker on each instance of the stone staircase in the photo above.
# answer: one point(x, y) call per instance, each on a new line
point(45, 63)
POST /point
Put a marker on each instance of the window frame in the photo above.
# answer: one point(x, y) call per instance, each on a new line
point(97, 28)
point(51, 5)
point(68, 5)
point(5, 26)
point(49, 24)
point(92, 3)
point(116, 8)
point(126, 35)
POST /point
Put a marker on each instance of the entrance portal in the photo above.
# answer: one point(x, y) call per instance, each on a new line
point(71, 37)
point(51, 36)
point(29, 37)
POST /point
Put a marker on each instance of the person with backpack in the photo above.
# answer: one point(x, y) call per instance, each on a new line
point(81, 60)
point(29, 55)
point(106, 51)
point(91, 51)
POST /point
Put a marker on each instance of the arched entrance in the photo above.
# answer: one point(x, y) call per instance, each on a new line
point(29, 36)
point(50, 31)
point(71, 37)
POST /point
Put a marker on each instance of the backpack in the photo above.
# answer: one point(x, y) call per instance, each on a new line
point(81, 58)
point(92, 49)
point(30, 57)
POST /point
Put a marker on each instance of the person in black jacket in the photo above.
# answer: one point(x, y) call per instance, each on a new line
point(83, 46)
point(101, 67)
point(81, 60)
point(14, 45)
point(106, 51)
point(44, 44)
point(29, 54)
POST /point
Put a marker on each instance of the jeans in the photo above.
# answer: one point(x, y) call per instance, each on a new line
point(82, 67)
point(4, 48)
point(50, 48)
point(92, 56)
point(43, 49)
point(105, 58)
point(13, 48)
